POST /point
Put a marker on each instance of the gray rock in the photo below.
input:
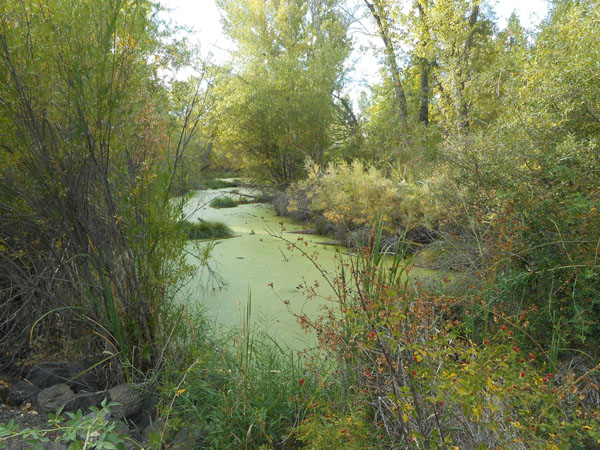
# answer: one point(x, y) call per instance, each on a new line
point(129, 400)
point(46, 374)
point(147, 412)
point(22, 392)
point(80, 376)
point(154, 428)
point(54, 397)
point(187, 438)
point(85, 400)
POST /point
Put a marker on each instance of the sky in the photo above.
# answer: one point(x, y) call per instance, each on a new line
point(204, 18)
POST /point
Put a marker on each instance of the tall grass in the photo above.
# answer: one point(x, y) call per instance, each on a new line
point(243, 389)
point(206, 230)
point(223, 202)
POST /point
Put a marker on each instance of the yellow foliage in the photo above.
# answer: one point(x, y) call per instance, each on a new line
point(360, 194)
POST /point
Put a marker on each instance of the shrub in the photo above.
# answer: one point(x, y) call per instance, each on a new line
point(94, 430)
point(87, 236)
point(215, 184)
point(528, 188)
point(357, 195)
point(206, 230)
point(409, 364)
point(223, 202)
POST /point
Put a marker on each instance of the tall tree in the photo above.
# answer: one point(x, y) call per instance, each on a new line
point(460, 39)
point(277, 107)
point(382, 13)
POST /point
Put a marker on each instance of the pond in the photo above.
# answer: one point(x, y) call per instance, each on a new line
point(260, 271)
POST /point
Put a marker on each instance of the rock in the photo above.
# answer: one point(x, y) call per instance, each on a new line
point(155, 428)
point(54, 397)
point(146, 414)
point(187, 438)
point(46, 374)
point(128, 398)
point(85, 400)
point(81, 378)
point(22, 392)
point(54, 446)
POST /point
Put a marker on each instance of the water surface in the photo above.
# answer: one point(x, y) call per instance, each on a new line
point(260, 269)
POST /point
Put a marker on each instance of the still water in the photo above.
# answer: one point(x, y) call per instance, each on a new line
point(260, 270)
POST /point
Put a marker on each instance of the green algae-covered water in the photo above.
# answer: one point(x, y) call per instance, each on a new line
point(259, 269)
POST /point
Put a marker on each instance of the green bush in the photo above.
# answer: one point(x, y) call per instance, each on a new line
point(83, 129)
point(223, 202)
point(527, 189)
point(93, 430)
point(206, 230)
point(215, 184)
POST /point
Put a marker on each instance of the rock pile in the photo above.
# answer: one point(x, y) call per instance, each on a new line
point(70, 387)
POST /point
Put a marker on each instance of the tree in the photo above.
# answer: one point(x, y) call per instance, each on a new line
point(86, 232)
point(277, 105)
point(382, 13)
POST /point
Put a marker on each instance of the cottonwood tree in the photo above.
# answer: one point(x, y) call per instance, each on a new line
point(277, 106)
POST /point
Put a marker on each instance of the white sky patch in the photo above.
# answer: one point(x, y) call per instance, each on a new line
point(204, 18)
point(530, 12)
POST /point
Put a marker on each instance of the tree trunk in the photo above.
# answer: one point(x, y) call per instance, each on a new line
point(424, 108)
point(424, 66)
point(462, 105)
point(384, 33)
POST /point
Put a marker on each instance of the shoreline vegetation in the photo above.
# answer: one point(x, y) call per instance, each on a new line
point(476, 154)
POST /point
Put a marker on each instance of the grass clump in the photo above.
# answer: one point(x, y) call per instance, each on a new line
point(223, 202)
point(216, 184)
point(228, 388)
point(207, 230)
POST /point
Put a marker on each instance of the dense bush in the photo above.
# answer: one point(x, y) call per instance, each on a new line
point(356, 194)
point(525, 190)
point(88, 238)
point(408, 375)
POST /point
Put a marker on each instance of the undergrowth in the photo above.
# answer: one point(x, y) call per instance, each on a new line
point(411, 372)
point(241, 388)
point(223, 202)
point(206, 230)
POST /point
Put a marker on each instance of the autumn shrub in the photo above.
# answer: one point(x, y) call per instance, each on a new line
point(357, 195)
point(528, 189)
point(406, 365)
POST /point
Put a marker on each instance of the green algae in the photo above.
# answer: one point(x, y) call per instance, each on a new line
point(267, 261)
